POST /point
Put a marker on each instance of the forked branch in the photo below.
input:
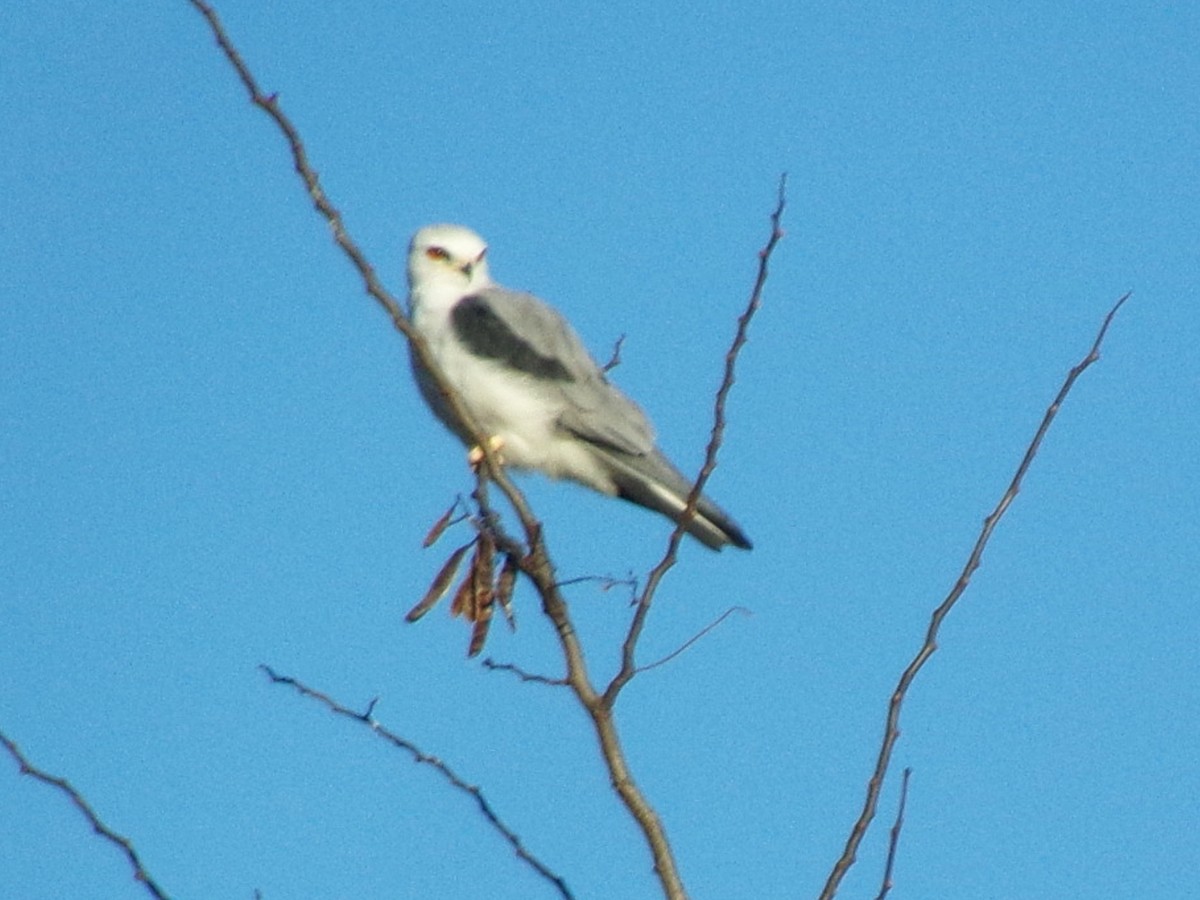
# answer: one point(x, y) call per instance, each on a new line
point(891, 731)
point(629, 649)
point(367, 717)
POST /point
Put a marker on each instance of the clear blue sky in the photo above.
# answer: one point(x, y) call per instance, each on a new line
point(212, 456)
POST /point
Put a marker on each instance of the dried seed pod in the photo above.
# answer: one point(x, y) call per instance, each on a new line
point(439, 526)
point(505, 584)
point(485, 562)
point(440, 583)
point(479, 633)
point(463, 603)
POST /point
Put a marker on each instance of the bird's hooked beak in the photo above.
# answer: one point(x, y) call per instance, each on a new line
point(468, 268)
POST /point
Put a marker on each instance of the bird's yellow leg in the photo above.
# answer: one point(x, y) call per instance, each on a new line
point(475, 454)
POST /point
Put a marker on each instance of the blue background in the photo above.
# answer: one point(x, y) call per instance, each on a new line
point(212, 456)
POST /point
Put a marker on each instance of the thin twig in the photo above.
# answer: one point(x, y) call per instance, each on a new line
point(531, 677)
point(695, 637)
point(629, 648)
point(606, 582)
point(894, 838)
point(489, 519)
point(418, 755)
point(615, 359)
point(121, 842)
point(892, 724)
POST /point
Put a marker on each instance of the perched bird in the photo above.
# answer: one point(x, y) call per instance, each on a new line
point(541, 400)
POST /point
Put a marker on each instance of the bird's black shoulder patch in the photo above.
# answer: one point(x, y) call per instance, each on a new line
point(485, 334)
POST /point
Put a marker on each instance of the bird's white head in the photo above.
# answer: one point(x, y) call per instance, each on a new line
point(447, 257)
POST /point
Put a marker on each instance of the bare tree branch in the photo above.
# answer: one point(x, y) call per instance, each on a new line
point(529, 677)
point(894, 839)
point(694, 638)
point(892, 724)
point(121, 842)
point(418, 755)
point(629, 648)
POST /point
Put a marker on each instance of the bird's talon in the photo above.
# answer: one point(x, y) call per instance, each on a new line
point(475, 454)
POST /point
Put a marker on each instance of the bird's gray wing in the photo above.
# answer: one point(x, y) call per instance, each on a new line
point(530, 338)
point(524, 334)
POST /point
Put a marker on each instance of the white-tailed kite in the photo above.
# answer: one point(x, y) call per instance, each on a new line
point(542, 401)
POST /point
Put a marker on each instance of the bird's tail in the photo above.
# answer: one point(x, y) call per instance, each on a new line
point(652, 481)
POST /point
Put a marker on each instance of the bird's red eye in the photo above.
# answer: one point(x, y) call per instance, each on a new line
point(437, 253)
